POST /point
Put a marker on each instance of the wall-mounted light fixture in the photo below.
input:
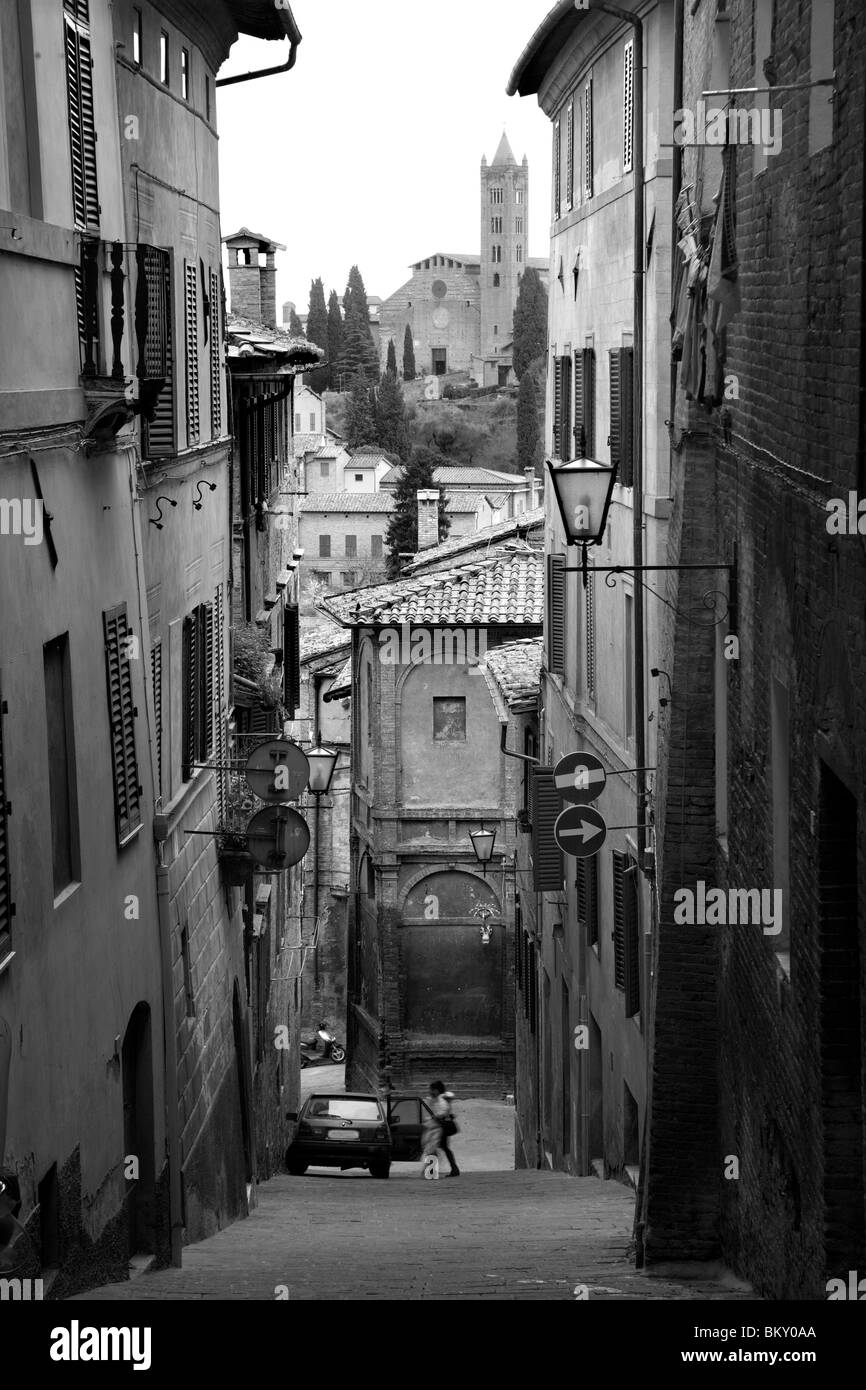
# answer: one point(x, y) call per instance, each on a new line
point(172, 502)
point(482, 845)
point(196, 501)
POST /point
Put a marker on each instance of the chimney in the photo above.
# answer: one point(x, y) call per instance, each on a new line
point(268, 274)
point(253, 276)
point(428, 518)
point(531, 480)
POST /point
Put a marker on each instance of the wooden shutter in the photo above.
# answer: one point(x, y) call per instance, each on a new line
point(588, 152)
point(589, 636)
point(191, 333)
point(565, 426)
point(556, 614)
point(156, 688)
point(569, 156)
point(82, 125)
point(291, 659)
point(219, 686)
point(619, 862)
point(620, 439)
point(157, 358)
point(626, 945)
point(216, 414)
point(547, 868)
point(557, 169)
point(7, 907)
point(121, 717)
point(557, 407)
point(190, 685)
point(588, 360)
point(205, 718)
point(614, 438)
point(627, 106)
point(581, 444)
point(587, 896)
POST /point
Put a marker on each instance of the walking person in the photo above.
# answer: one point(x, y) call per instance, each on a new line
point(441, 1126)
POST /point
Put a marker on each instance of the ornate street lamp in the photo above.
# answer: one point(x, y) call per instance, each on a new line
point(482, 843)
point(583, 489)
point(322, 763)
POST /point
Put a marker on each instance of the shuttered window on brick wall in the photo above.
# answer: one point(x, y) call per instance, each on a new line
point(557, 407)
point(547, 867)
point(189, 681)
point(557, 169)
point(626, 941)
point(156, 690)
point(588, 141)
point(153, 326)
point(589, 637)
point(565, 423)
point(584, 403)
point(587, 896)
point(569, 156)
point(208, 684)
point(216, 408)
point(620, 438)
point(7, 907)
point(82, 124)
point(198, 675)
point(190, 305)
point(556, 578)
point(291, 659)
point(121, 717)
point(220, 734)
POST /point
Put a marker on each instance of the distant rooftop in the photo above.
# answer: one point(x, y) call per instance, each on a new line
point(461, 475)
point(513, 672)
point(480, 540)
point(503, 590)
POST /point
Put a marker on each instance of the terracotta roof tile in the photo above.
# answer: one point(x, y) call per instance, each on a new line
point(504, 589)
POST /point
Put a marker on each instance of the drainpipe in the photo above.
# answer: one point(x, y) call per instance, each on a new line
point(175, 1195)
point(294, 37)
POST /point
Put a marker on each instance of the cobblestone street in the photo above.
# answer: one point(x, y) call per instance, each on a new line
point(492, 1233)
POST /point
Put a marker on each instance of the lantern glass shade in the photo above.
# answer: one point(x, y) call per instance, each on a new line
point(322, 763)
point(583, 490)
point(482, 843)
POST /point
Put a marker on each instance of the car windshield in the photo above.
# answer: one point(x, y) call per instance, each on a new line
point(344, 1108)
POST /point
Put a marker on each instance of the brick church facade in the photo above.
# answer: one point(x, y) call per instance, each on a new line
point(459, 308)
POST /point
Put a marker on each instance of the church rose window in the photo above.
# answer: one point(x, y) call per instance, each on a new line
point(438, 289)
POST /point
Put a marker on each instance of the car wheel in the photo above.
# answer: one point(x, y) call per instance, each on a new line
point(297, 1170)
point(338, 1054)
point(379, 1170)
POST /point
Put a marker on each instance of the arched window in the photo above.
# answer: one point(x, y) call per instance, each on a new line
point(496, 281)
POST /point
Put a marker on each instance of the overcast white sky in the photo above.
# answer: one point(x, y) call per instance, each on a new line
point(368, 151)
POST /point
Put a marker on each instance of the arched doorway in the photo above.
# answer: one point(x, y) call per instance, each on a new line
point(137, 1069)
point(453, 979)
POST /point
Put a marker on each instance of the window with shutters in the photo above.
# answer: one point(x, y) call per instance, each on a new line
point(325, 468)
point(546, 804)
point(190, 300)
point(324, 547)
point(7, 907)
point(584, 403)
point(376, 547)
point(627, 106)
point(351, 547)
point(156, 689)
point(79, 104)
point(557, 407)
point(557, 169)
point(588, 141)
point(626, 942)
point(620, 437)
point(119, 645)
point(587, 897)
point(198, 682)
point(556, 614)
point(589, 637)
point(569, 156)
point(291, 660)
point(153, 330)
point(216, 380)
point(220, 739)
point(565, 408)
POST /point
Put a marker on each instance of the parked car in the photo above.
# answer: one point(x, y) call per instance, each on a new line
point(357, 1131)
point(341, 1131)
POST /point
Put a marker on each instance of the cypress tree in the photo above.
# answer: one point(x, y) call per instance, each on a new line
point(335, 339)
point(317, 332)
point(360, 420)
point(529, 449)
point(402, 533)
point(391, 366)
point(408, 355)
point(530, 321)
point(296, 328)
point(392, 433)
point(359, 350)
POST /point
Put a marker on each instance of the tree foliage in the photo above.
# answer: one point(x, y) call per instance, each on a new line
point(392, 429)
point(360, 418)
point(296, 328)
point(391, 364)
point(530, 321)
point(317, 332)
point(402, 534)
point(335, 339)
point(359, 350)
point(529, 442)
point(408, 355)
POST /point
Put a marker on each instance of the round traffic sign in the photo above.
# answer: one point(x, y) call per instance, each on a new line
point(278, 837)
point(579, 777)
point(277, 771)
point(580, 831)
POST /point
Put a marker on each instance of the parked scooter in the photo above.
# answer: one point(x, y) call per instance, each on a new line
point(323, 1050)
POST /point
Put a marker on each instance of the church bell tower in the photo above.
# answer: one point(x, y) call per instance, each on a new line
point(504, 242)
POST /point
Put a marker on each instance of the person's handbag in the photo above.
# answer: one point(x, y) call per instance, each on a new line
point(449, 1126)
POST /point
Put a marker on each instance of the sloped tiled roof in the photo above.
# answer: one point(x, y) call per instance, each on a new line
point(321, 641)
point(245, 337)
point(342, 682)
point(347, 502)
point(472, 258)
point(514, 670)
point(478, 540)
point(504, 589)
point(460, 475)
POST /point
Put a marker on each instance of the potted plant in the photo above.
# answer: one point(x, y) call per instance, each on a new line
point(236, 862)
